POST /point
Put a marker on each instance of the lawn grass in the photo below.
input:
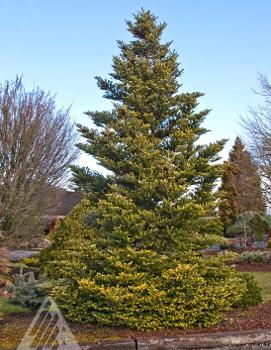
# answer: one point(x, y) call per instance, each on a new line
point(264, 281)
point(7, 308)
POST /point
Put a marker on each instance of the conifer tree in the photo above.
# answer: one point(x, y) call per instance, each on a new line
point(128, 255)
point(241, 185)
point(150, 144)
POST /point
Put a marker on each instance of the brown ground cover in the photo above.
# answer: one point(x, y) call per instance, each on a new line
point(254, 267)
point(254, 318)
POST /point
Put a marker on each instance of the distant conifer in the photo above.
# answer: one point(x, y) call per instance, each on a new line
point(241, 185)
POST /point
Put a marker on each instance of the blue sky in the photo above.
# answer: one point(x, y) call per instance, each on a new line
point(61, 45)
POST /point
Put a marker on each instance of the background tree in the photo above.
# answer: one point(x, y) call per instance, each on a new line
point(228, 205)
point(4, 273)
point(257, 126)
point(36, 149)
point(4, 266)
point(125, 255)
point(241, 185)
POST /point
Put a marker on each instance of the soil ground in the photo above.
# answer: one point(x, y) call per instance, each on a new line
point(254, 267)
point(14, 326)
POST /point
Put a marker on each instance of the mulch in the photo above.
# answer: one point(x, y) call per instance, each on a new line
point(253, 318)
point(254, 267)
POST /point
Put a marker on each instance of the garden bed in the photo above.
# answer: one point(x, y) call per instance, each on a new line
point(253, 318)
point(263, 266)
point(17, 319)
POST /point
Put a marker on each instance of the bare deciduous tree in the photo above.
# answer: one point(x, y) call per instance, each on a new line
point(257, 126)
point(36, 149)
point(4, 266)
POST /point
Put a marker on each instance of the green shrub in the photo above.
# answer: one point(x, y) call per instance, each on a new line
point(254, 256)
point(135, 288)
point(252, 222)
point(27, 293)
point(228, 256)
point(212, 226)
point(252, 296)
point(33, 261)
point(159, 294)
point(259, 226)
